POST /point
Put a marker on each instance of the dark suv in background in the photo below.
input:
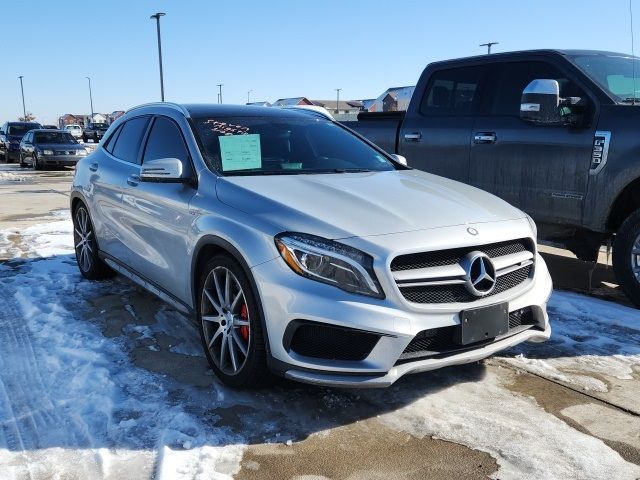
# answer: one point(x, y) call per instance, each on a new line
point(95, 131)
point(10, 135)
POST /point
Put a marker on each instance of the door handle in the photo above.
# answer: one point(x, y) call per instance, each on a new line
point(484, 137)
point(413, 136)
point(93, 167)
point(133, 180)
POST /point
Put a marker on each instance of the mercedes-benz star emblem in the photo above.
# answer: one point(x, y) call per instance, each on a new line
point(480, 273)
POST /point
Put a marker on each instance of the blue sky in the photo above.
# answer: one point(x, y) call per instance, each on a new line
point(276, 48)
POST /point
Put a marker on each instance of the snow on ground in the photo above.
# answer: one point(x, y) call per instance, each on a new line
point(591, 338)
point(74, 402)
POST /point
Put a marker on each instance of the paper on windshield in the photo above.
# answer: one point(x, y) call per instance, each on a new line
point(240, 152)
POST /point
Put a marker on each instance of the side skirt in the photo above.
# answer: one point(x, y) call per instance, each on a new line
point(149, 286)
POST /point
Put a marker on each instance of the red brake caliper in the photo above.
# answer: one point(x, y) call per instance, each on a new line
point(244, 329)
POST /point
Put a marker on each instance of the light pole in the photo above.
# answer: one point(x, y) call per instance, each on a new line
point(488, 45)
point(24, 109)
point(337, 99)
point(157, 17)
point(90, 97)
point(248, 96)
point(220, 94)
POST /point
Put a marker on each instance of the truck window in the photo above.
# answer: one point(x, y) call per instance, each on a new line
point(513, 77)
point(452, 92)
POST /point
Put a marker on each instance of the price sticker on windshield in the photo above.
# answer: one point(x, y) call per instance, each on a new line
point(240, 152)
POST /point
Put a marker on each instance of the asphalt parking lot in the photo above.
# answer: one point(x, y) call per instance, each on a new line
point(101, 380)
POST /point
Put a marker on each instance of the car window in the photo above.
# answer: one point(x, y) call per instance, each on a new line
point(452, 92)
point(287, 145)
point(512, 79)
point(165, 141)
point(127, 144)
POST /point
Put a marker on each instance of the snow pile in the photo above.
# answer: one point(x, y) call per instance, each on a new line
point(589, 336)
point(43, 240)
point(71, 403)
point(527, 442)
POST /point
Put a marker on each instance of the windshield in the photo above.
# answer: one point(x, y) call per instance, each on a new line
point(100, 126)
point(284, 146)
point(53, 137)
point(72, 127)
point(20, 129)
point(614, 73)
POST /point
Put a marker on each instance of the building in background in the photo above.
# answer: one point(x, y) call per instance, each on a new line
point(343, 110)
point(84, 120)
point(292, 102)
point(394, 99)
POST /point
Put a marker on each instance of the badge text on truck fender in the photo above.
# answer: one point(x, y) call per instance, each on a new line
point(601, 141)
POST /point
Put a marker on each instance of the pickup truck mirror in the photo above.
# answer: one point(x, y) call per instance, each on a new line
point(540, 102)
point(163, 170)
point(400, 159)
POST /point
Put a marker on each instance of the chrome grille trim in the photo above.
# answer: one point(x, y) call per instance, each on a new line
point(444, 283)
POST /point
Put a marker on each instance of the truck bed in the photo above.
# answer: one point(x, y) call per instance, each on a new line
point(380, 128)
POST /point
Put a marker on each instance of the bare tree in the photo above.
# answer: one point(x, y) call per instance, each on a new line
point(29, 117)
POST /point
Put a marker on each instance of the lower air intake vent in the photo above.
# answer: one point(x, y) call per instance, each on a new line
point(317, 340)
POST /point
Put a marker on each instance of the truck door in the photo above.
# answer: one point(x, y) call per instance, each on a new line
point(542, 169)
point(435, 135)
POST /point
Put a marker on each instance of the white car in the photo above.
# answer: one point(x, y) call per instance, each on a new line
point(75, 130)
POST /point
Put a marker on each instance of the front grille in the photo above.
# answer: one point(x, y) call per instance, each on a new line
point(65, 152)
point(316, 340)
point(459, 294)
point(440, 341)
point(452, 256)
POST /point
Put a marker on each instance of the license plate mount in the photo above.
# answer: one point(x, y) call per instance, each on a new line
point(482, 323)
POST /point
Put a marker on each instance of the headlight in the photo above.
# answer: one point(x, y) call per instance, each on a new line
point(534, 228)
point(47, 152)
point(82, 151)
point(329, 262)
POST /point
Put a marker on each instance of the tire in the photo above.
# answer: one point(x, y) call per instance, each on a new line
point(84, 138)
point(240, 325)
point(90, 265)
point(35, 164)
point(22, 164)
point(626, 257)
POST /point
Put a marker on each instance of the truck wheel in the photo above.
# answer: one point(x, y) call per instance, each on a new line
point(626, 257)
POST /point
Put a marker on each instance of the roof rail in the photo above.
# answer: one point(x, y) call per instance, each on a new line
point(175, 106)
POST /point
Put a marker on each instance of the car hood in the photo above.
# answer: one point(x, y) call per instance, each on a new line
point(344, 205)
point(60, 146)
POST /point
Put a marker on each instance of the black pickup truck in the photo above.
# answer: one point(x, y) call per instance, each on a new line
point(95, 132)
point(554, 133)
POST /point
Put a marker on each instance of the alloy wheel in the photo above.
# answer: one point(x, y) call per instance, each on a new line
point(225, 320)
point(83, 239)
point(635, 258)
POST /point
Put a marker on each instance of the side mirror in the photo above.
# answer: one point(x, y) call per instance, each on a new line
point(162, 170)
point(540, 102)
point(400, 159)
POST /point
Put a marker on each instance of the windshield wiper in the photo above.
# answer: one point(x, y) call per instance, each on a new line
point(350, 170)
point(632, 100)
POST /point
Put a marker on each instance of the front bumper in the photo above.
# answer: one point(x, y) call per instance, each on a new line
point(60, 160)
point(287, 297)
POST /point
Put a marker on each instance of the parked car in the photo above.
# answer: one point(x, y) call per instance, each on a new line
point(74, 129)
point(95, 131)
point(10, 135)
point(551, 132)
point(50, 127)
point(45, 148)
point(303, 249)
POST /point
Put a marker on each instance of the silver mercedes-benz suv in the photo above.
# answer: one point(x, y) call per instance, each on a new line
point(302, 249)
